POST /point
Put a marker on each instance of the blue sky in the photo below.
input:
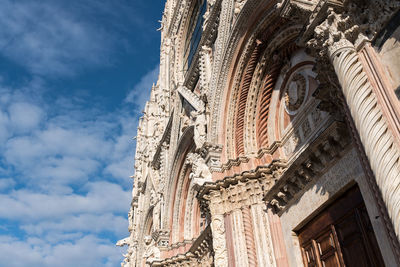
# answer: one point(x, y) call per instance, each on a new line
point(74, 76)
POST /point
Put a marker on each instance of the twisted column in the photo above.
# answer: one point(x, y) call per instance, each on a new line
point(375, 136)
point(249, 236)
point(334, 38)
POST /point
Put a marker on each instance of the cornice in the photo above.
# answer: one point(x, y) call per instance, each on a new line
point(253, 183)
point(199, 248)
point(312, 163)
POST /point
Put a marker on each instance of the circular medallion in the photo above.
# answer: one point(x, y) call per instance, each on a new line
point(295, 93)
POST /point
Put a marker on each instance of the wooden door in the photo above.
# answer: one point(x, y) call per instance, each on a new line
point(341, 235)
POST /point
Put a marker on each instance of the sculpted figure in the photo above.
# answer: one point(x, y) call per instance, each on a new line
point(200, 123)
point(155, 201)
point(200, 171)
point(152, 253)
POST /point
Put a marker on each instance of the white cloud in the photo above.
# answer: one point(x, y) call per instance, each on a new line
point(102, 197)
point(86, 251)
point(70, 185)
point(6, 183)
point(25, 116)
point(47, 39)
point(94, 223)
point(141, 91)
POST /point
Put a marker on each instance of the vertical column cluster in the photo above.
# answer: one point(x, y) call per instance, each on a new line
point(240, 228)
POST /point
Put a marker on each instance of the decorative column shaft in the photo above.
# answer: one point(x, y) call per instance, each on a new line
point(249, 234)
point(218, 231)
point(375, 136)
point(219, 242)
point(383, 153)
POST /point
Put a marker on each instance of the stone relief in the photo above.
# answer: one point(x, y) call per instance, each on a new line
point(155, 202)
point(200, 172)
point(295, 93)
point(152, 252)
point(200, 124)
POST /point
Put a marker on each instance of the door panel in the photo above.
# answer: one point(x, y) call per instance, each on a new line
point(341, 235)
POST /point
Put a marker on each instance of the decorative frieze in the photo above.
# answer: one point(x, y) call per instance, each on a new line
point(191, 98)
point(240, 190)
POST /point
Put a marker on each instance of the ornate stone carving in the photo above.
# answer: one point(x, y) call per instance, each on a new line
point(295, 93)
point(211, 154)
point(334, 37)
point(199, 255)
point(191, 98)
point(219, 242)
point(318, 156)
point(200, 131)
point(152, 253)
point(240, 190)
point(200, 171)
point(296, 10)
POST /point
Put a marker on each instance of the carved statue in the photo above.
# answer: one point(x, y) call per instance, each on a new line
point(152, 252)
point(155, 202)
point(200, 123)
point(200, 171)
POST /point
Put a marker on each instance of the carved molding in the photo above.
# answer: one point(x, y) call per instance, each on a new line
point(234, 192)
point(191, 98)
point(199, 254)
point(319, 156)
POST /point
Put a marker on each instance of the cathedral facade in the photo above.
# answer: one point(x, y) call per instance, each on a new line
point(272, 137)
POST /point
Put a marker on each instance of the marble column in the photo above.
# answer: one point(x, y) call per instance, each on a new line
point(218, 231)
point(380, 148)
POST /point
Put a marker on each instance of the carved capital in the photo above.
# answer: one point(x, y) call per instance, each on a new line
point(336, 32)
